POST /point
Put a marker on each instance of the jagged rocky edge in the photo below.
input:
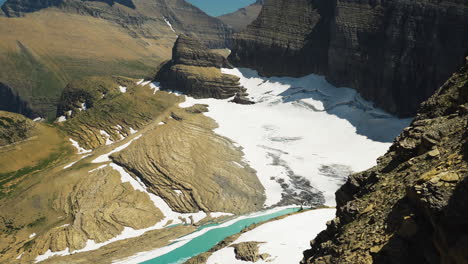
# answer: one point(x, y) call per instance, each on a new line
point(420, 187)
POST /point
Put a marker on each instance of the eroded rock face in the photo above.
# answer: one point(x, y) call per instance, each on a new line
point(395, 53)
point(93, 206)
point(14, 128)
point(196, 71)
point(192, 168)
point(411, 207)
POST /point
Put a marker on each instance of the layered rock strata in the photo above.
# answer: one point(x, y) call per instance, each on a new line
point(196, 71)
point(411, 207)
point(395, 53)
point(102, 110)
point(192, 168)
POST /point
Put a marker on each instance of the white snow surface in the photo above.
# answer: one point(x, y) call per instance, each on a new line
point(83, 107)
point(77, 146)
point(302, 125)
point(169, 24)
point(105, 157)
point(38, 119)
point(32, 235)
point(122, 89)
point(61, 119)
point(105, 134)
point(284, 239)
point(132, 131)
point(155, 87)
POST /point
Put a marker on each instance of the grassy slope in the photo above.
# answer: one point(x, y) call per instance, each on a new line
point(76, 46)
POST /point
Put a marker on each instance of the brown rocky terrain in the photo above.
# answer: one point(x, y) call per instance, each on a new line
point(248, 251)
point(411, 207)
point(195, 70)
point(50, 207)
point(395, 53)
point(47, 44)
point(192, 168)
point(241, 18)
point(14, 128)
point(108, 109)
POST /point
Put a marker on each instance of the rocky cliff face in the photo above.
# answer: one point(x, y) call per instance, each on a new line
point(395, 53)
point(411, 207)
point(196, 71)
point(11, 102)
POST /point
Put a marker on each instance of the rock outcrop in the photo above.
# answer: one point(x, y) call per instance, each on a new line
point(248, 251)
point(14, 128)
point(77, 207)
point(101, 110)
point(411, 207)
point(193, 169)
point(395, 53)
point(196, 71)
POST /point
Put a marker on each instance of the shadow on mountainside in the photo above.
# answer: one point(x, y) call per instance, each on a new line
point(316, 94)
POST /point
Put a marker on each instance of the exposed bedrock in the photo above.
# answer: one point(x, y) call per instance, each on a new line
point(411, 207)
point(196, 71)
point(395, 53)
point(192, 168)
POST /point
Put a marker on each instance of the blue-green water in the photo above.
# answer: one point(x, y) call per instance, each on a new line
point(220, 7)
point(206, 241)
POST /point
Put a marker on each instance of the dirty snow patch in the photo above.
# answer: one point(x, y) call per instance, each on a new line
point(77, 146)
point(105, 157)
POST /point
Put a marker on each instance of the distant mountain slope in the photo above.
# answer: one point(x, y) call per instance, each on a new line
point(47, 43)
point(243, 17)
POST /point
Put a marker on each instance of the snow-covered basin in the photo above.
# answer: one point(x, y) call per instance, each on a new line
point(284, 240)
point(303, 127)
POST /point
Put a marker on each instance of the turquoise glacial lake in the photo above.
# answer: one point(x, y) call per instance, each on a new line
point(209, 239)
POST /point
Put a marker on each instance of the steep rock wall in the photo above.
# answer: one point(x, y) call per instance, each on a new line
point(394, 52)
